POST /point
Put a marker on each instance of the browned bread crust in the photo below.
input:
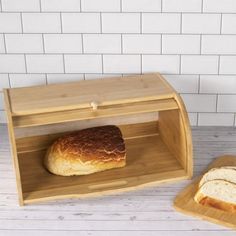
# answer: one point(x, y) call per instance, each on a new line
point(208, 201)
point(87, 151)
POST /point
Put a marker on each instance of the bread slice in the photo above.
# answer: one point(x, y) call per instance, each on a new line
point(87, 151)
point(219, 194)
point(227, 173)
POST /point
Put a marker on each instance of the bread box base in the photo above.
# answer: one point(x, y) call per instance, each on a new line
point(148, 160)
point(157, 151)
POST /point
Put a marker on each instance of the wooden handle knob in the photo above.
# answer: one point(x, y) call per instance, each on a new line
point(94, 105)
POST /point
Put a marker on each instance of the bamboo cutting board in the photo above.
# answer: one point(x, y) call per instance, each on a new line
point(185, 203)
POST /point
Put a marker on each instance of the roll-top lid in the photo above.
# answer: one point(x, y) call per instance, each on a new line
point(81, 94)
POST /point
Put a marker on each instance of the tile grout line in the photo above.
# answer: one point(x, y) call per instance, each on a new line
point(161, 44)
point(197, 118)
point(112, 53)
point(141, 23)
point(82, 43)
point(219, 57)
point(141, 63)
point(121, 5)
point(102, 64)
point(200, 44)
point(217, 103)
point(115, 33)
point(199, 84)
point(22, 28)
point(40, 6)
point(25, 64)
point(9, 80)
point(181, 20)
point(221, 23)
point(21, 20)
point(128, 12)
point(217, 96)
point(101, 22)
point(129, 73)
point(5, 44)
point(82, 40)
point(64, 65)
point(46, 79)
point(121, 44)
point(43, 43)
point(80, 5)
point(61, 23)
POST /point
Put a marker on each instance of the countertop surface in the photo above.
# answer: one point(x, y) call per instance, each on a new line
point(143, 212)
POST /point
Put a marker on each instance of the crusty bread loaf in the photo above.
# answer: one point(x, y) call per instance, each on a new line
point(87, 151)
point(219, 194)
point(227, 173)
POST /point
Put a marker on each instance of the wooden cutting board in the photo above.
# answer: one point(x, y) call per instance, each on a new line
point(185, 203)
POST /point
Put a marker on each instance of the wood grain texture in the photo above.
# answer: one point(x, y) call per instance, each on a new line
point(61, 97)
point(88, 113)
point(143, 212)
point(184, 202)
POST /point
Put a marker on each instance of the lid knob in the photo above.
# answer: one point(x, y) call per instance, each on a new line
point(94, 105)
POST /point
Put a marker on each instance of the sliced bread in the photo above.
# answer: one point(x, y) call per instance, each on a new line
point(227, 173)
point(219, 194)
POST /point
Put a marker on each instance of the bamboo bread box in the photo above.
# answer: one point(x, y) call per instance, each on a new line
point(149, 112)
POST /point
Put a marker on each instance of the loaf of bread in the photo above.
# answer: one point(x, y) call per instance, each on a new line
point(87, 151)
point(217, 188)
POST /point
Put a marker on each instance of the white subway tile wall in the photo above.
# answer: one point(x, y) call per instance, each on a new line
point(24, 80)
point(21, 6)
point(62, 78)
point(105, 43)
point(162, 63)
point(182, 5)
point(81, 22)
point(201, 23)
point(83, 63)
point(120, 23)
point(59, 5)
point(24, 43)
point(141, 43)
point(100, 6)
point(228, 24)
point(191, 42)
point(141, 5)
point(44, 63)
point(4, 81)
point(161, 23)
point(181, 44)
point(41, 23)
point(122, 63)
point(63, 43)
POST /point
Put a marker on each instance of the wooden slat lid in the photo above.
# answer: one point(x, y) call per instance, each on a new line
point(76, 95)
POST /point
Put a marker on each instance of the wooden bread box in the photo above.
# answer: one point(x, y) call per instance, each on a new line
point(149, 112)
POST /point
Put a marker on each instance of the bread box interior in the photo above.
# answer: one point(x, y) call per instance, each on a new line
point(149, 112)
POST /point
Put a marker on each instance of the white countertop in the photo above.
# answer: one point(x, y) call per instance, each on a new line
point(142, 212)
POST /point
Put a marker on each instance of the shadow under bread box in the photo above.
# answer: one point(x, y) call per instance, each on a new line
point(149, 112)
